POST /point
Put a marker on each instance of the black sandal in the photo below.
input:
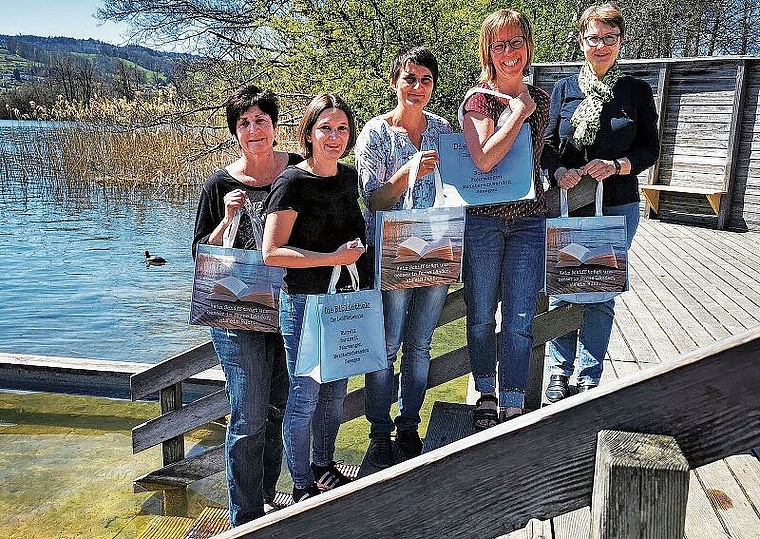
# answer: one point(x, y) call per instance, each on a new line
point(484, 418)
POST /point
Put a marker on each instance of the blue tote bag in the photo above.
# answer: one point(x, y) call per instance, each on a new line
point(464, 184)
point(419, 247)
point(586, 257)
point(343, 334)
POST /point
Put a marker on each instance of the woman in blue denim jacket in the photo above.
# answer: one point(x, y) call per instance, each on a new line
point(602, 123)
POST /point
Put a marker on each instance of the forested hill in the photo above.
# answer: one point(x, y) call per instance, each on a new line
point(41, 50)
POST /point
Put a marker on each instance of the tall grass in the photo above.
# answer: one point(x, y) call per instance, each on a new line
point(142, 146)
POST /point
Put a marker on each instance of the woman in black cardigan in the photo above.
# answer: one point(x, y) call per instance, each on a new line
point(602, 123)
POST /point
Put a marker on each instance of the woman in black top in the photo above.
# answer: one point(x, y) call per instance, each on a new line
point(253, 362)
point(602, 123)
point(314, 223)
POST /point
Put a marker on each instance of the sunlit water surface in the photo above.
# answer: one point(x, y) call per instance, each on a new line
point(73, 280)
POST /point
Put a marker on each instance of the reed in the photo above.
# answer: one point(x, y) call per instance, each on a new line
point(145, 145)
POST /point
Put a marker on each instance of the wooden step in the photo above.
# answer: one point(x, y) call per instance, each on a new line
point(449, 422)
point(163, 527)
point(211, 521)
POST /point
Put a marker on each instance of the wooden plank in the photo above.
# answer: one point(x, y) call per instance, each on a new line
point(82, 376)
point(182, 473)
point(170, 400)
point(175, 369)
point(734, 136)
point(701, 520)
point(746, 470)
point(702, 399)
point(180, 421)
point(662, 97)
point(736, 513)
point(572, 525)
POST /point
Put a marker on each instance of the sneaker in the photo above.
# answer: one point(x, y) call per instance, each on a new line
point(300, 494)
point(328, 477)
point(408, 441)
point(380, 451)
point(557, 389)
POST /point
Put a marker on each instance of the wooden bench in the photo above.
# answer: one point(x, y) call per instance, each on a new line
point(652, 192)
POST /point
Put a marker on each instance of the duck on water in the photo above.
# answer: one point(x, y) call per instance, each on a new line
point(151, 260)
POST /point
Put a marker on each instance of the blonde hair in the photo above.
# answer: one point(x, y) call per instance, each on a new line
point(495, 22)
point(608, 14)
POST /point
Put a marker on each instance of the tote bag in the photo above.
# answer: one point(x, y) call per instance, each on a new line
point(233, 288)
point(586, 257)
point(419, 247)
point(343, 334)
point(465, 184)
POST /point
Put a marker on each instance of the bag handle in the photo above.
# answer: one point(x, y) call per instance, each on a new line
point(231, 231)
point(597, 200)
point(414, 168)
point(352, 271)
point(476, 90)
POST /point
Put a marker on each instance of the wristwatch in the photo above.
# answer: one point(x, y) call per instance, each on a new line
point(617, 166)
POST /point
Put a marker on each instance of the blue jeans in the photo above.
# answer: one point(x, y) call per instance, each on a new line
point(312, 408)
point(257, 387)
point(504, 261)
point(411, 315)
point(593, 337)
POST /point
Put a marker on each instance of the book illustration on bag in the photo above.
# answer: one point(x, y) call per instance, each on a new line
point(233, 289)
point(419, 247)
point(576, 254)
point(413, 249)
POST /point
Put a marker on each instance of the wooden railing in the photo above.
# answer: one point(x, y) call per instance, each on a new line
point(166, 379)
point(540, 465)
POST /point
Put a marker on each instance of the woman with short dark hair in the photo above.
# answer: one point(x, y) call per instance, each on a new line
point(253, 362)
point(383, 155)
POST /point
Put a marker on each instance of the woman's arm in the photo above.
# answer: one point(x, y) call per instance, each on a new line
point(277, 252)
point(488, 145)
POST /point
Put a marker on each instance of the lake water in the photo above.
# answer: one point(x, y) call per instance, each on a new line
point(73, 280)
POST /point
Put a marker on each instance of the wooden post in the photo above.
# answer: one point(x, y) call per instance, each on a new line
point(536, 375)
point(173, 449)
point(641, 483)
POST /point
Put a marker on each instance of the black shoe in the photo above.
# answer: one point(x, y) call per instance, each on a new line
point(328, 477)
point(380, 451)
point(300, 494)
point(558, 388)
point(408, 441)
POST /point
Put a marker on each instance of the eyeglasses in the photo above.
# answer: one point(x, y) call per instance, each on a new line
point(594, 41)
point(515, 43)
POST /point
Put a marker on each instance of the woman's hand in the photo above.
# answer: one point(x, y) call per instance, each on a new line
point(599, 169)
point(523, 104)
point(348, 253)
point(569, 178)
point(233, 201)
point(427, 163)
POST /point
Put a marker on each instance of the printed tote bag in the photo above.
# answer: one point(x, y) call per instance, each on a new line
point(419, 247)
point(343, 334)
point(586, 257)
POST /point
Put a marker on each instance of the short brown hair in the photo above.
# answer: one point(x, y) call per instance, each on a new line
point(496, 21)
point(245, 97)
point(317, 106)
point(608, 14)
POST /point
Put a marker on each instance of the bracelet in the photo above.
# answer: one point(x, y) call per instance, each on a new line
point(617, 166)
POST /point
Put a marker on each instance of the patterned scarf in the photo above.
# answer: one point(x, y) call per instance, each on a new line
point(586, 118)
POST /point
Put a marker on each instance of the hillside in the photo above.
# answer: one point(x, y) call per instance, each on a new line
point(31, 58)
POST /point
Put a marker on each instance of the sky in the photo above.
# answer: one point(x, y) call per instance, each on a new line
point(53, 18)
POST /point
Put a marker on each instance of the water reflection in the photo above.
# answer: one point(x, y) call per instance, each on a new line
point(73, 280)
